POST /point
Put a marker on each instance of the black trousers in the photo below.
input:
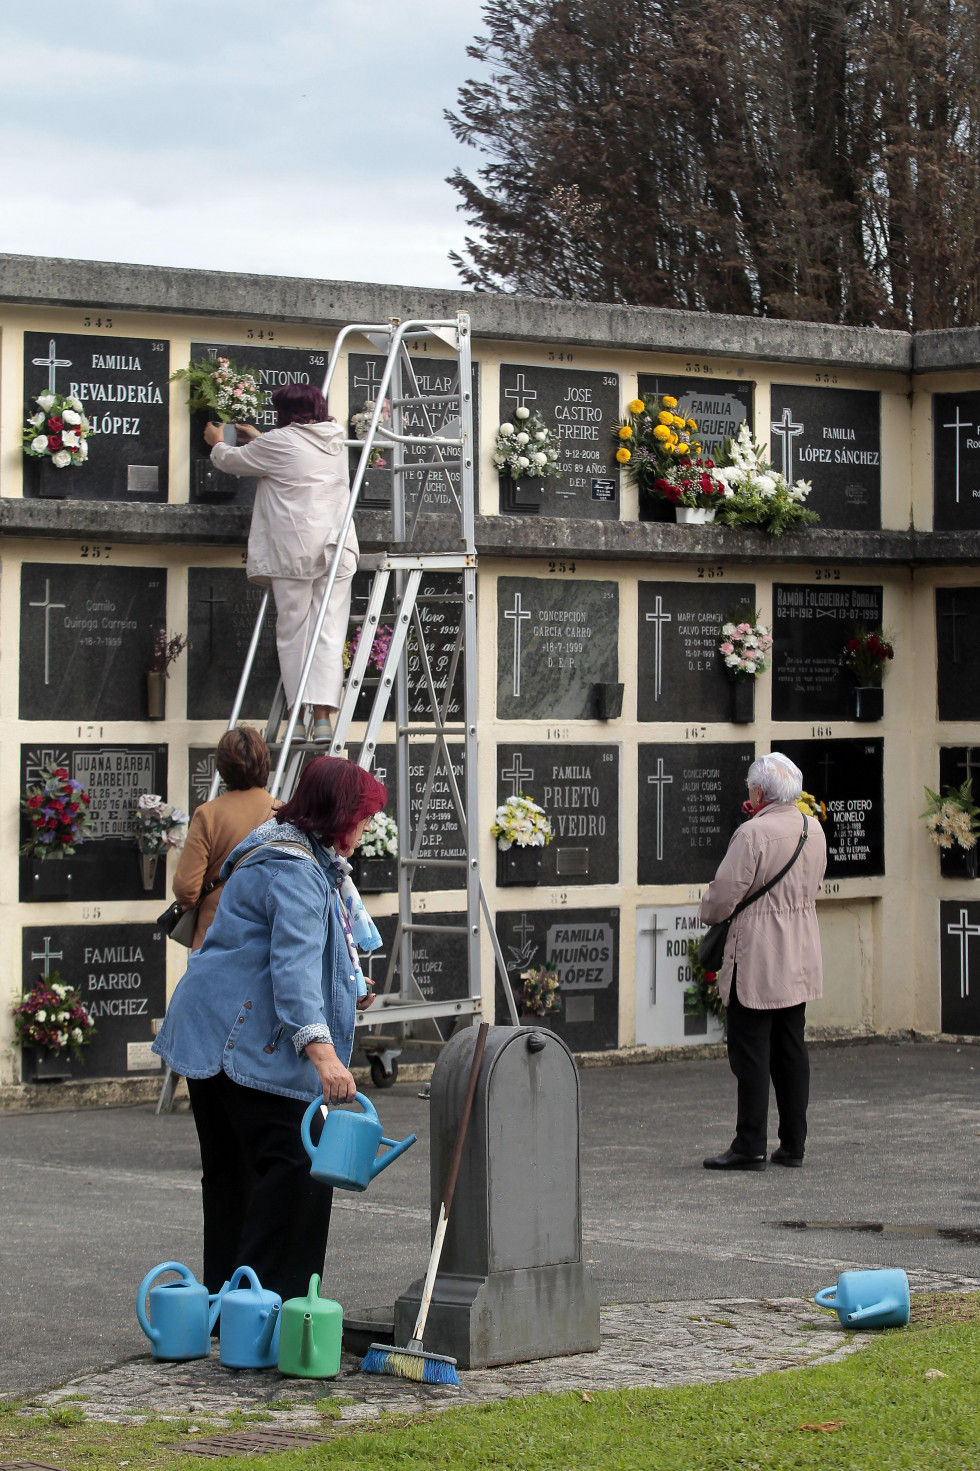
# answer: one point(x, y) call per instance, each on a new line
point(262, 1208)
point(764, 1045)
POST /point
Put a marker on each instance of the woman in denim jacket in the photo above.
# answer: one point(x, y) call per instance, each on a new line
point(263, 1020)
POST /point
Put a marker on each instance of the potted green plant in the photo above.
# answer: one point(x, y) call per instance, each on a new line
point(56, 438)
point(953, 821)
point(745, 647)
point(57, 811)
point(50, 1024)
point(522, 830)
point(160, 829)
point(165, 651)
point(375, 863)
point(538, 996)
point(864, 657)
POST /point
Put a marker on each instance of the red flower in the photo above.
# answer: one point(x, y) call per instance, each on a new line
point(711, 976)
point(54, 443)
point(35, 801)
point(61, 771)
point(55, 425)
point(85, 798)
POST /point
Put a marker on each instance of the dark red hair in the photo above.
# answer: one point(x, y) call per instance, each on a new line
point(332, 797)
point(299, 403)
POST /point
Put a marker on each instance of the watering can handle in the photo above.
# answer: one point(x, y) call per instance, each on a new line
point(214, 1303)
point(826, 1297)
point(241, 1272)
point(370, 1111)
point(186, 1275)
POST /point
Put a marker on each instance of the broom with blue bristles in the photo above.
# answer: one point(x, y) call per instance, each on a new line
point(413, 1362)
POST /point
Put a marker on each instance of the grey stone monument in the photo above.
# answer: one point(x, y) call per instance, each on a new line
point(512, 1285)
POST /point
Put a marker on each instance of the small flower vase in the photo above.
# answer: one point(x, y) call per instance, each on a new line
point(743, 701)
point(148, 869)
point(518, 867)
point(867, 702)
point(156, 695)
point(42, 1066)
point(51, 483)
point(51, 880)
point(970, 859)
point(375, 875)
point(608, 701)
point(521, 497)
point(693, 515)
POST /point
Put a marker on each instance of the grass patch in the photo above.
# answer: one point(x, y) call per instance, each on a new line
point(909, 1402)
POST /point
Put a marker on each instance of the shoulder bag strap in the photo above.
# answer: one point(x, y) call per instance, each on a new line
point(772, 882)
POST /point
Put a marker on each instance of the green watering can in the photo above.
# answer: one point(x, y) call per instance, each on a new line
point(310, 1335)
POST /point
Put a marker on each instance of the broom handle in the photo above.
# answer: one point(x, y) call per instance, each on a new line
point(450, 1186)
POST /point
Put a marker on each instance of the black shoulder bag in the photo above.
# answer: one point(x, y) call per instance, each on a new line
point(711, 948)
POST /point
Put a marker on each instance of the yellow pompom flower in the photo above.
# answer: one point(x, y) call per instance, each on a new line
point(665, 418)
point(697, 448)
point(691, 425)
point(626, 432)
point(672, 442)
point(669, 403)
point(636, 406)
point(661, 432)
point(679, 422)
point(683, 449)
point(623, 455)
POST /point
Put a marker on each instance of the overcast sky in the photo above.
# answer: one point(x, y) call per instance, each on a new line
point(291, 138)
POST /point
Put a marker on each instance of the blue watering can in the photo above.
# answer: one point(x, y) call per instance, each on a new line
point(181, 1314)
point(874, 1299)
point(249, 1324)
point(345, 1154)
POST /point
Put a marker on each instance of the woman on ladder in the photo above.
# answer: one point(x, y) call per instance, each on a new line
point(300, 502)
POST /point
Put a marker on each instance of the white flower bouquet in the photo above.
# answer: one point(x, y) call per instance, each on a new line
point(57, 431)
point(223, 389)
point(746, 648)
point(527, 449)
point(522, 823)
point(759, 495)
point(360, 423)
point(952, 817)
point(159, 826)
point(380, 839)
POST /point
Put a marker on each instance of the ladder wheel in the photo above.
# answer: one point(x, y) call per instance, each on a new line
point(379, 1077)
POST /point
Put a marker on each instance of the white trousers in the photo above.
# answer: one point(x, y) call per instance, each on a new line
point(297, 604)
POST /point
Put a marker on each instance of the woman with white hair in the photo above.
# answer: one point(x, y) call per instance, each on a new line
point(772, 964)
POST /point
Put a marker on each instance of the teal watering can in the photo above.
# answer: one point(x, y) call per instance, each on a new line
point(311, 1335)
point(181, 1314)
point(345, 1154)
point(878, 1298)
point(249, 1324)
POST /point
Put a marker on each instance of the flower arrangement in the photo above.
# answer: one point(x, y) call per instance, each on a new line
point(59, 431)
point(380, 838)
point(745, 646)
point(159, 826)
point(223, 389)
point(664, 456)
point(538, 992)
point(57, 810)
point(360, 424)
point(703, 990)
point(810, 807)
point(522, 823)
point(379, 648)
point(757, 493)
point(165, 651)
point(527, 449)
point(952, 817)
point(865, 656)
point(51, 1016)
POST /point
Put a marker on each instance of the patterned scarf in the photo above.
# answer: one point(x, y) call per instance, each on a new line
point(359, 928)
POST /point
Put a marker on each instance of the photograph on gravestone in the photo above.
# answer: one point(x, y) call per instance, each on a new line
point(272, 368)
point(86, 638)
point(669, 1011)
point(719, 407)
point(581, 408)
point(680, 674)
point(690, 803)
point(578, 787)
point(959, 966)
point(439, 970)
point(955, 461)
point(957, 764)
point(831, 437)
point(958, 652)
point(106, 865)
point(582, 946)
point(121, 383)
point(556, 640)
point(222, 606)
point(435, 488)
point(847, 775)
point(120, 971)
point(443, 835)
point(811, 624)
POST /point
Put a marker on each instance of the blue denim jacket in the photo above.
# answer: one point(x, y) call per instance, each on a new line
point(274, 973)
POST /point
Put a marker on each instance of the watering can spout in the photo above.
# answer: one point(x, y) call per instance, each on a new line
point(888, 1305)
point(268, 1338)
point(306, 1350)
point(397, 1147)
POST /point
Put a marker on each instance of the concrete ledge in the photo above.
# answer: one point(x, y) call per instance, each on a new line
point(953, 350)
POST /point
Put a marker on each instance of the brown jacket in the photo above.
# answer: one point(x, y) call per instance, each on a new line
point(775, 942)
point(215, 829)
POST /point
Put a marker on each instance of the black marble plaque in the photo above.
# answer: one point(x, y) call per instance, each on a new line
point(443, 835)
point(222, 606)
point(956, 763)
point(831, 437)
point(811, 625)
point(430, 486)
point(122, 385)
point(582, 945)
point(582, 410)
point(86, 638)
point(958, 649)
point(955, 461)
point(106, 866)
point(120, 971)
point(680, 674)
point(556, 639)
point(719, 406)
point(848, 775)
point(690, 803)
point(438, 969)
point(272, 367)
point(959, 966)
point(440, 611)
point(578, 787)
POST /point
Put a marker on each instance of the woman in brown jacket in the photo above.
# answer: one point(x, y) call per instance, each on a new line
point(772, 964)
point(242, 759)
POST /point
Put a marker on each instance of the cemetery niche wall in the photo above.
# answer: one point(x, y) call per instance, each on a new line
point(831, 437)
point(959, 966)
point(222, 606)
point(958, 652)
point(556, 641)
point(582, 946)
point(86, 638)
point(690, 803)
point(443, 836)
point(122, 384)
point(679, 673)
point(581, 408)
point(956, 461)
point(578, 787)
point(958, 764)
point(669, 1011)
point(848, 775)
point(811, 624)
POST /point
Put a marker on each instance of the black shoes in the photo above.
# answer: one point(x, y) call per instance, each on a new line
point(780, 1156)
point(732, 1161)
